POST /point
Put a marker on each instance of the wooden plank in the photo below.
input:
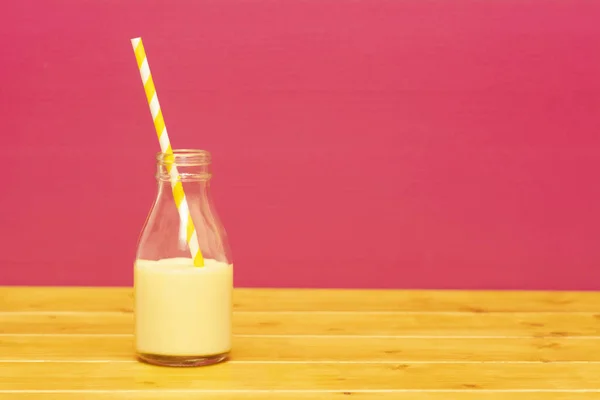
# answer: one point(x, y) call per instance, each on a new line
point(416, 300)
point(121, 299)
point(336, 323)
point(317, 349)
point(286, 376)
point(40, 298)
point(341, 395)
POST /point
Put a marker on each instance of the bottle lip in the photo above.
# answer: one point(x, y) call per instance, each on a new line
point(184, 157)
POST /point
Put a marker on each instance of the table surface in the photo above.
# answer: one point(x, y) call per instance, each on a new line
point(76, 343)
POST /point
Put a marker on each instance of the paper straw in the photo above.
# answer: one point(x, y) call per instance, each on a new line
point(165, 146)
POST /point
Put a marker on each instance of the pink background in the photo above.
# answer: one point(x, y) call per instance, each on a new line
point(369, 143)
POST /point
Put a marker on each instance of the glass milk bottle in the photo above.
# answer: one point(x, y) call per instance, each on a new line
point(183, 311)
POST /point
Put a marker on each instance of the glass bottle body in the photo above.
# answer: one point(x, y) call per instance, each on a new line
point(183, 309)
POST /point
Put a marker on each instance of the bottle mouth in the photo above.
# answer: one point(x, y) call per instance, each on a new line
point(184, 158)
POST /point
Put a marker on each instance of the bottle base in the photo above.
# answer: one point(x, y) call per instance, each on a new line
point(182, 361)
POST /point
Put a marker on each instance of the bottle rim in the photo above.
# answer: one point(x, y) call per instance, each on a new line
point(184, 157)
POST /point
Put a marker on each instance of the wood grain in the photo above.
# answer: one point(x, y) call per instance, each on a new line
point(330, 323)
point(77, 343)
point(121, 299)
point(298, 376)
point(300, 395)
point(317, 349)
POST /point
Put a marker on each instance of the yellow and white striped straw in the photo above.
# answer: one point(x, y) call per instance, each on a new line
point(187, 225)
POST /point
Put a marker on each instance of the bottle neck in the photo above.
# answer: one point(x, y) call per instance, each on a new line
point(186, 166)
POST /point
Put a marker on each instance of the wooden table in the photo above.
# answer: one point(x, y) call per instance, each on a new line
point(76, 344)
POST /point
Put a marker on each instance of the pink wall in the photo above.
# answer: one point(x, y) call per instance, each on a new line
point(371, 143)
